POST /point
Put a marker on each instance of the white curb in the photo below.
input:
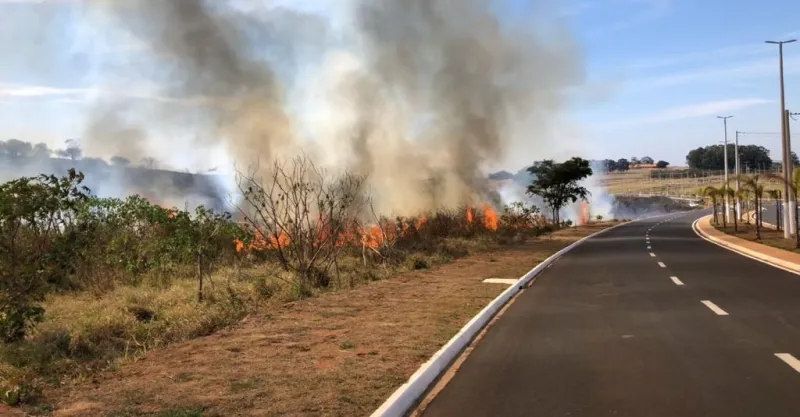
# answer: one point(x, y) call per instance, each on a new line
point(769, 260)
point(410, 393)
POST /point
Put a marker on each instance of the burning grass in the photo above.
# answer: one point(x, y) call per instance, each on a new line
point(125, 277)
point(340, 353)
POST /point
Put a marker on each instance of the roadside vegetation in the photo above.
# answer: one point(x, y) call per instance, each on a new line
point(88, 282)
point(749, 223)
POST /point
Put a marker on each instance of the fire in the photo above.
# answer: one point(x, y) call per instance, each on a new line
point(373, 236)
point(490, 220)
point(584, 216)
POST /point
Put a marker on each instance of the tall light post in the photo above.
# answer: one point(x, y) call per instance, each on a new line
point(727, 200)
point(788, 203)
point(738, 174)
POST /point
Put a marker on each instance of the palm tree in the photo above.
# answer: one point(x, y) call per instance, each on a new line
point(794, 185)
point(713, 193)
point(775, 195)
point(731, 193)
point(758, 191)
point(744, 196)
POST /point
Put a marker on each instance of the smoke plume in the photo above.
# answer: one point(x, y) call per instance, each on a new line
point(422, 96)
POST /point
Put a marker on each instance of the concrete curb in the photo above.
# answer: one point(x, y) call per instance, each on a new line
point(769, 260)
point(402, 401)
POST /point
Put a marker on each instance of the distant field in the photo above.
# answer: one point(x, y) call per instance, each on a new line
point(639, 181)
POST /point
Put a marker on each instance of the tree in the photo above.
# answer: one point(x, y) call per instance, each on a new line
point(41, 151)
point(610, 165)
point(758, 192)
point(713, 157)
point(501, 176)
point(15, 150)
point(635, 161)
point(775, 195)
point(647, 160)
point(795, 160)
point(662, 164)
point(72, 151)
point(623, 164)
point(794, 185)
point(557, 184)
point(149, 163)
point(730, 193)
point(713, 193)
point(120, 161)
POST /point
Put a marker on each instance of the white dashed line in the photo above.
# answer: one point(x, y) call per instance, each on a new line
point(790, 360)
point(649, 247)
point(714, 308)
point(676, 281)
point(652, 255)
point(661, 264)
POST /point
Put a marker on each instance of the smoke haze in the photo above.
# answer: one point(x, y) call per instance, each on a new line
point(423, 96)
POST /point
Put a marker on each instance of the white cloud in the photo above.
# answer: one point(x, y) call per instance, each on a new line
point(704, 56)
point(750, 69)
point(706, 109)
point(17, 90)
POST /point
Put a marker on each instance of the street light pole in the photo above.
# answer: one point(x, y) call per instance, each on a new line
point(727, 200)
point(788, 205)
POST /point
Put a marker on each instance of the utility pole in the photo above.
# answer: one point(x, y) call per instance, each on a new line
point(788, 199)
point(727, 200)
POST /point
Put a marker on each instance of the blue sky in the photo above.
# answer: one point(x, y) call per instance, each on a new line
point(657, 71)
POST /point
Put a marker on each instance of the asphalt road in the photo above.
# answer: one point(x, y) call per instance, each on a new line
point(769, 212)
point(608, 331)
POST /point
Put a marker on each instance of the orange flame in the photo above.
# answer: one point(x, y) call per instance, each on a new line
point(373, 236)
point(584, 216)
point(490, 220)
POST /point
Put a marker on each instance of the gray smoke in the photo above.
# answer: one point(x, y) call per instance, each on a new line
point(423, 96)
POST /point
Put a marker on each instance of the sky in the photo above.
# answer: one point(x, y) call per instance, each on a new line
point(657, 72)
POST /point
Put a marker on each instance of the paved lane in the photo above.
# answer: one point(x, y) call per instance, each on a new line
point(610, 330)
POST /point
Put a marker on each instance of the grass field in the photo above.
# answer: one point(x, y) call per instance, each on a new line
point(638, 181)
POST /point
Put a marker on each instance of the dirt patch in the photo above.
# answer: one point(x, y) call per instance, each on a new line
point(340, 354)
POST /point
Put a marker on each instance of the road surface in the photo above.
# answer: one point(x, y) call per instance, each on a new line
point(614, 328)
point(769, 213)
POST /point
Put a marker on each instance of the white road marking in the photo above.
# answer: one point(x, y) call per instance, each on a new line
point(652, 255)
point(714, 308)
point(649, 247)
point(790, 360)
point(507, 281)
point(676, 280)
point(661, 264)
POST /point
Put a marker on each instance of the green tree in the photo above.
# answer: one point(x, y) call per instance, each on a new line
point(714, 194)
point(662, 164)
point(775, 195)
point(557, 183)
point(713, 157)
point(757, 192)
point(623, 164)
point(37, 242)
point(647, 160)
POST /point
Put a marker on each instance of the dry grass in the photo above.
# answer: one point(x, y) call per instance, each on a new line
point(639, 181)
point(769, 236)
point(341, 353)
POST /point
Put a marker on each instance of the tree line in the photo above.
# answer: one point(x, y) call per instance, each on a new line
point(15, 151)
point(753, 157)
